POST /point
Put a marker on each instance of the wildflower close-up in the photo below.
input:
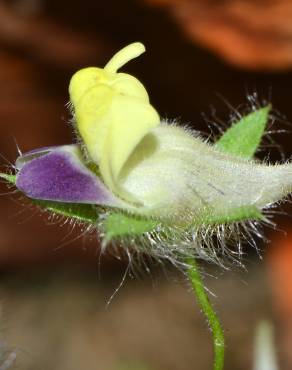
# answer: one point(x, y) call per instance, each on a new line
point(165, 176)
point(152, 184)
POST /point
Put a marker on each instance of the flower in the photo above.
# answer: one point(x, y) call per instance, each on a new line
point(130, 160)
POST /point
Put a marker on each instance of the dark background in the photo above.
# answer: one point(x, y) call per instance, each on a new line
point(204, 61)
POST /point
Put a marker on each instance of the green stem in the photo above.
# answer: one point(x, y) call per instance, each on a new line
point(206, 306)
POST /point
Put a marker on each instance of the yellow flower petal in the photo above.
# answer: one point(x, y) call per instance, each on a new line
point(112, 113)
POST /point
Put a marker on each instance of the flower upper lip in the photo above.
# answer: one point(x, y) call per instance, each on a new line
point(113, 114)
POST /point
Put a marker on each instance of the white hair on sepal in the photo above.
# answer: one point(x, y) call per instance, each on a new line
point(217, 125)
point(188, 127)
point(206, 242)
point(269, 143)
point(220, 244)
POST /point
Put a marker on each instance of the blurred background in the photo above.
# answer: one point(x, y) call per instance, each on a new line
point(205, 60)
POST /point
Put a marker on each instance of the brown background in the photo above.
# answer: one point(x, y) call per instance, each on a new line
point(204, 59)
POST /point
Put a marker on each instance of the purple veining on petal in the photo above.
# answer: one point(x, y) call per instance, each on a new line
point(60, 175)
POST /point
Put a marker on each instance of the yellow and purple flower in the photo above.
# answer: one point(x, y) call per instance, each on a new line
point(131, 160)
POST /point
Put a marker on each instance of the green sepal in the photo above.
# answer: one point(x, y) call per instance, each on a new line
point(82, 212)
point(87, 213)
point(120, 224)
point(243, 213)
point(9, 178)
point(243, 137)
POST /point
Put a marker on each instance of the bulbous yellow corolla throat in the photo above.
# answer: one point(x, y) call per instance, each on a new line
point(113, 113)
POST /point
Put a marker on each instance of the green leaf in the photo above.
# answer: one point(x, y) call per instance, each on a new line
point(120, 224)
point(243, 137)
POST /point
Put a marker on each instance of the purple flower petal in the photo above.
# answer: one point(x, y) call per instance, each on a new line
point(58, 174)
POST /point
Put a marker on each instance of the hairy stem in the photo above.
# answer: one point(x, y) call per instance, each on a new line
point(206, 307)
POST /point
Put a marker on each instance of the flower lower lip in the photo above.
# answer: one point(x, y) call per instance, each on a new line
point(58, 174)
